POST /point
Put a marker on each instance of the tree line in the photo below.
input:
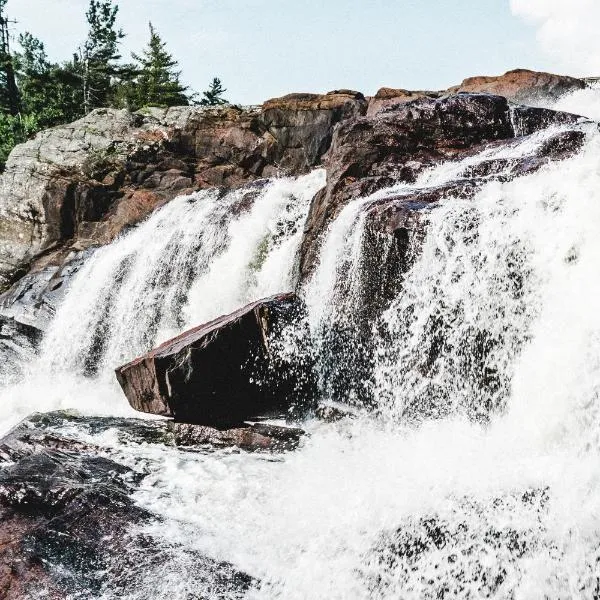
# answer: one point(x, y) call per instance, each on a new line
point(37, 93)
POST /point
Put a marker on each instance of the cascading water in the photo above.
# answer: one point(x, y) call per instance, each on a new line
point(198, 257)
point(477, 473)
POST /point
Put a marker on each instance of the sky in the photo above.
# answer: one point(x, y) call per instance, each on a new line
point(266, 48)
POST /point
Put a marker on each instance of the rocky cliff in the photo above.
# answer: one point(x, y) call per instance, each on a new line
point(81, 184)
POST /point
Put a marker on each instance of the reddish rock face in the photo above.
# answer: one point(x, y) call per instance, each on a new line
point(221, 373)
point(522, 85)
point(373, 152)
point(82, 183)
point(387, 97)
point(519, 85)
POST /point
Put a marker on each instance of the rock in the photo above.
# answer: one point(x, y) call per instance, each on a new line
point(389, 97)
point(369, 153)
point(69, 527)
point(254, 438)
point(79, 185)
point(522, 86)
point(302, 124)
point(34, 299)
point(18, 344)
point(222, 373)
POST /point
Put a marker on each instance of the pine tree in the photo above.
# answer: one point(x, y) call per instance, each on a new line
point(214, 95)
point(158, 80)
point(50, 93)
point(99, 54)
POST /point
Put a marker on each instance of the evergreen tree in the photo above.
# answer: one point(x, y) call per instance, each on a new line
point(50, 93)
point(214, 95)
point(158, 80)
point(99, 54)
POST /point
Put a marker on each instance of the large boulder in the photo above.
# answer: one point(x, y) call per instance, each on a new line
point(224, 372)
point(81, 184)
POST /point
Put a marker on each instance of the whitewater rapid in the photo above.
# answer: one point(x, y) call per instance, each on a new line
point(466, 481)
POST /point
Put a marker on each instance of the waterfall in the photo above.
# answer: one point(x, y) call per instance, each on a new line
point(471, 468)
point(492, 491)
point(198, 257)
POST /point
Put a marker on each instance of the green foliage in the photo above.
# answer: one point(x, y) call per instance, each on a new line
point(157, 82)
point(99, 54)
point(36, 93)
point(48, 91)
point(9, 93)
point(14, 130)
point(213, 96)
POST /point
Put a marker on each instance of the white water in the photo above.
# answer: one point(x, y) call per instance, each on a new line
point(507, 509)
point(198, 257)
point(489, 491)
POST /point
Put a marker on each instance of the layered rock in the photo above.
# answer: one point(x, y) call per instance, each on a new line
point(221, 373)
point(520, 85)
point(369, 153)
point(81, 184)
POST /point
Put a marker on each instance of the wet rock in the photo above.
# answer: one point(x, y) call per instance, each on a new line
point(448, 546)
point(373, 152)
point(253, 438)
point(18, 344)
point(69, 527)
point(34, 299)
point(222, 373)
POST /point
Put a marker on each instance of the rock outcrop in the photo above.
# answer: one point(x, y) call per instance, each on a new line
point(396, 145)
point(69, 527)
point(81, 184)
point(222, 373)
point(522, 86)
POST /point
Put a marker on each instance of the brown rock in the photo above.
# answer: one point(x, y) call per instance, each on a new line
point(372, 152)
point(522, 85)
point(221, 373)
point(387, 97)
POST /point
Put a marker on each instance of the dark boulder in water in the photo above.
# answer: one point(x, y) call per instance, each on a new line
point(69, 525)
point(224, 372)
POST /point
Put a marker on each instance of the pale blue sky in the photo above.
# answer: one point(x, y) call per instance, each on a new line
point(266, 48)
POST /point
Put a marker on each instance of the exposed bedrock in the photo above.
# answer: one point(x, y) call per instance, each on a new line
point(81, 184)
point(69, 526)
point(369, 153)
point(224, 372)
point(519, 85)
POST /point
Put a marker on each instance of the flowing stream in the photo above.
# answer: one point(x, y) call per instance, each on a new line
point(475, 472)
